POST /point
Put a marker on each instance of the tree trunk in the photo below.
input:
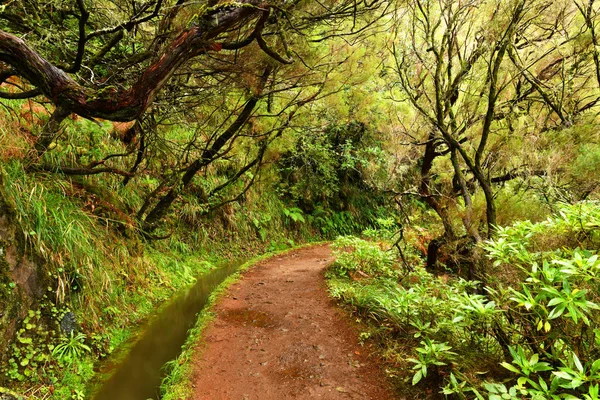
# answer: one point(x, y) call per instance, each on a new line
point(432, 253)
point(431, 200)
point(468, 213)
point(425, 190)
point(490, 206)
point(121, 104)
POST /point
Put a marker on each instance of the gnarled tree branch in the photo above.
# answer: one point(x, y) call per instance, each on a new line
point(20, 95)
point(113, 103)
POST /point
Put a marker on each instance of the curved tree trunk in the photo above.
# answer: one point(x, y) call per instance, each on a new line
point(122, 104)
point(431, 200)
point(425, 190)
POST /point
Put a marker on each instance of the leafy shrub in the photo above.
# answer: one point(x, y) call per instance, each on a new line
point(429, 315)
point(71, 348)
point(431, 355)
point(540, 324)
point(585, 169)
point(294, 214)
point(385, 228)
point(361, 256)
point(338, 160)
point(332, 224)
point(551, 316)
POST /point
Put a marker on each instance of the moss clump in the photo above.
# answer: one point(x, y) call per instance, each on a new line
point(6, 394)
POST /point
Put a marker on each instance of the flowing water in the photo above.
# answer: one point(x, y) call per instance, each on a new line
point(139, 375)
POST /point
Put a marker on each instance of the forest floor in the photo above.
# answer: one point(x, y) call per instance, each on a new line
point(278, 335)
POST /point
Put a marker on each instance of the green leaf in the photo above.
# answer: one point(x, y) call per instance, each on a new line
point(555, 301)
point(595, 366)
point(490, 387)
point(563, 375)
point(577, 362)
point(25, 340)
point(534, 359)
point(541, 366)
point(557, 312)
point(417, 378)
point(510, 367)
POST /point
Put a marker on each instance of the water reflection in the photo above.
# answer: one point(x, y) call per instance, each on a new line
point(139, 376)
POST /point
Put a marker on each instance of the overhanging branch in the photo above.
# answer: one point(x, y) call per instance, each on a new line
point(82, 171)
point(122, 104)
point(20, 95)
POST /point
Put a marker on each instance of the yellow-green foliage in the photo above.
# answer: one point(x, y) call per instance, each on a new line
point(363, 257)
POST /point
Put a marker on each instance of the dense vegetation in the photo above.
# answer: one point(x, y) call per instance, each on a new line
point(537, 316)
point(142, 142)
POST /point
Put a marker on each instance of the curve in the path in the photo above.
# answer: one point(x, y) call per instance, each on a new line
point(278, 335)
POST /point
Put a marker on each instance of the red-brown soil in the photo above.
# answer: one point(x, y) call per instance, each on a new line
point(278, 335)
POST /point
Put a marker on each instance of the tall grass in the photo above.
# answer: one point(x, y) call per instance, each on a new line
point(88, 266)
point(53, 225)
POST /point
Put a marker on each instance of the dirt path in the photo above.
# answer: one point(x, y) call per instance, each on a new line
point(278, 335)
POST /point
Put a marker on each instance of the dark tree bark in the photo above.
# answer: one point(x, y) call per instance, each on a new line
point(466, 195)
point(432, 253)
point(122, 104)
point(425, 186)
point(431, 153)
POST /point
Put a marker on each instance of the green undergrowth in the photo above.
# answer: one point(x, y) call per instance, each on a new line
point(101, 279)
point(530, 332)
point(178, 382)
point(5, 392)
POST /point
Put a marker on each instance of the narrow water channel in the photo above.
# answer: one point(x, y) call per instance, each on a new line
point(139, 376)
